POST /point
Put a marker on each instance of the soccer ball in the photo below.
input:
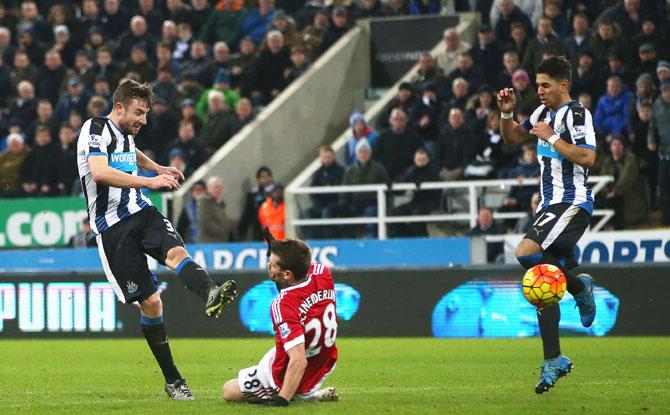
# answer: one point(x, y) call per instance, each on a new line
point(543, 285)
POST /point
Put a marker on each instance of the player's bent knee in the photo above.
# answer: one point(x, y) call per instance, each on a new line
point(175, 255)
point(232, 392)
point(152, 306)
point(528, 253)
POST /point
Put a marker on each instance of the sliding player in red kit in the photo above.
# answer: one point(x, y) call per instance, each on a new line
point(304, 319)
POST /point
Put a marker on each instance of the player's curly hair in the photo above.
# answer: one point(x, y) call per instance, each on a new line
point(129, 90)
point(294, 255)
point(557, 68)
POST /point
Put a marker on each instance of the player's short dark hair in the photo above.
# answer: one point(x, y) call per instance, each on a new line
point(293, 255)
point(557, 68)
point(129, 90)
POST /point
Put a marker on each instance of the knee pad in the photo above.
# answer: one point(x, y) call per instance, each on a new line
point(529, 261)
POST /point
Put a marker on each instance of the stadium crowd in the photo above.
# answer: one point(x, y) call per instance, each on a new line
point(214, 64)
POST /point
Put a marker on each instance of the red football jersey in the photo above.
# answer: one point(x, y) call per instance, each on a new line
point(306, 313)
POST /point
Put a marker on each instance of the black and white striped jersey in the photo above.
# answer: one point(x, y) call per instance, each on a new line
point(108, 205)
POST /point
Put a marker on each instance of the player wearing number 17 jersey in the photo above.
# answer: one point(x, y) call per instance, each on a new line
point(563, 130)
point(304, 319)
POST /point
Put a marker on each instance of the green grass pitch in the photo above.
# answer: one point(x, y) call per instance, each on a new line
point(374, 376)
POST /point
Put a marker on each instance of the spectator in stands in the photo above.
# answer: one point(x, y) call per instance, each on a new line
point(644, 94)
point(311, 36)
point(187, 114)
point(221, 84)
point(611, 114)
point(182, 44)
point(465, 69)
point(64, 44)
point(7, 49)
point(216, 130)
point(626, 14)
point(75, 121)
point(12, 161)
point(45, 116)
point(518, 197)
point(459, 97)
point(338, 27)
point(90, 15)
point(198, 62)
point(427, 71)
point(628, 194)
point(658, 140)
point(139, 64)
point(492, 151)
point(652, 35)
point(404, 100)
point(457, 146)
point(188, 91)
point(524, 224)
point(425, 117)
point(365, 171)
point(520, 39)
point(160, 121)
point(31, 19)
point(97, 107)
point(85, 238)
point(199, 13)
point(638, 128)
point(423, 202)
point(545, 40)
point(615, 67)
point(488, 53)
point(326, 205)
point(23, 106)
point(244, 69)
point(225, 22)
point(359, 130)
point(243, 115)
point(74, 99)
point(395, 147)
point(254, 198)
point(213, 222)
point(662, 71)
point(33, 48)
point(647, 59)
point(105, 67)
point(526, 96)
point(272, 63)
point(479, 107)
point(585, 76)
point(153, 16)
point(39, 172)
point(51, 77)
point(220, 60)
point(194, 153)
point(164, 87)
point(369, 9)
point(286, 25)
point(272, 213)
point(486, 225)
point(176, 11)
point(607, 39)
point(504, 13)
point(83, 68)
point(113, 19)
point(23, 70)
point(552, 9)
point(66, 165)
point(580, 38)
point(95, 40)
point(453, 47)
point(510, 62)
point(187, 224)
point(300, 64)
point(137, 34)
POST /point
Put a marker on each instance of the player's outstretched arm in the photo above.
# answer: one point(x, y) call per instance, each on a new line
point(297, 364)
point(512, 132)
point(146, 163)
point(584, 157)
point(108, 176)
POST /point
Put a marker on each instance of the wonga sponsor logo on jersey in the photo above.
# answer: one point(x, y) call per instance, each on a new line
point(123, 161)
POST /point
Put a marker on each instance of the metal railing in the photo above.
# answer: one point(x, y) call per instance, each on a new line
point(382, 218)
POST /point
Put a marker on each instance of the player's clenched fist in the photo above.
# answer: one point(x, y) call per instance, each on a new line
point(506, 100)
point(163, 181)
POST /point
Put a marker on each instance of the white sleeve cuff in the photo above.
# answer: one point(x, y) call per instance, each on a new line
point(289, 345)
